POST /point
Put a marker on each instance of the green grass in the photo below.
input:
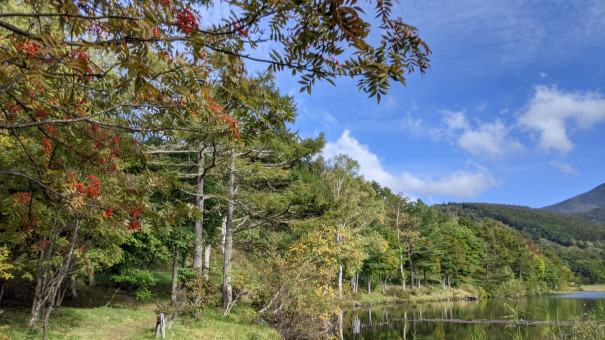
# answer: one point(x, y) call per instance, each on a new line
point(135, 323)
point(594, 288)
point(125, 318)
point(416, 295)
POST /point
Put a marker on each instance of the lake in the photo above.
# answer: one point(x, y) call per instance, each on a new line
point(452, 320)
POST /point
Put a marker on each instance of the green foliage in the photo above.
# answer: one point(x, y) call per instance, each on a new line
point(202, 293)
point(580, 244)
point(139, 280)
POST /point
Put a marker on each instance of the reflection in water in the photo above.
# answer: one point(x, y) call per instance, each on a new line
point(463, 319)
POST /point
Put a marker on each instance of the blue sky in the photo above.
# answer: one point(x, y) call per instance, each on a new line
point(512, 111)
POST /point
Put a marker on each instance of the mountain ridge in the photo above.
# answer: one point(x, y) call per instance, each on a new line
point(589, 205)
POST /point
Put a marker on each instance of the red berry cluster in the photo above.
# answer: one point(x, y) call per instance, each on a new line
point(46, 146)
point(22, 197)
point(43, 244)
point(134, 224)
point(333, 60)
point(83, 57)
point(231, 122)
point(242, 32)
point(29, 225)
point(156, 33)
point(108, 212)
point(94, 186)
point(135, 212)
point(31, 49)
point(186, 20)
point(166, 3)
point(40, 113)
point(97, 29)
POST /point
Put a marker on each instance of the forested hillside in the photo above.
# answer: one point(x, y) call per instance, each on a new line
point(580, 243)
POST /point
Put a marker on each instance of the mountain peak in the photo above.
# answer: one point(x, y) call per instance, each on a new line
point(588, 201)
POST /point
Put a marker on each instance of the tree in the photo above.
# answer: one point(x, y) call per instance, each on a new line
point(84, 82)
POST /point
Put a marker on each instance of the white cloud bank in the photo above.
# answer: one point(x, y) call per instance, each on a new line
point(460, 184)
point(490, 140)
point(552, 113)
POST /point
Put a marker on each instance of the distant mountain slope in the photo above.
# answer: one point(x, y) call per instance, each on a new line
point(595, 215)
point(582, 203)
point(557, 227)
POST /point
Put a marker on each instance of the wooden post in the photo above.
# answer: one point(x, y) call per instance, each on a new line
point(160, 326)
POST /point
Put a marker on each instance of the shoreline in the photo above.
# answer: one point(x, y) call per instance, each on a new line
point(458, 294)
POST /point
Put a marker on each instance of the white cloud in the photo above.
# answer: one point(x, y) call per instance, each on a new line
point(552, 113)
point(459, 184)
point(565, 168)
point(489, 139)
point(486, 139)
point(543, 75)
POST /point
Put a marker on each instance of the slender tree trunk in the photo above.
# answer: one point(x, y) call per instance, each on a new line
point(175, 275)
point(369, 285)
point(73, 287)
point(223, 233)
point(424, 274)
point(227, 290)
point(402, 269)
point(91, 277)
point(340, 281)
point(2, 290)
point(409, 246)
point(207, 251)
point(199, 222)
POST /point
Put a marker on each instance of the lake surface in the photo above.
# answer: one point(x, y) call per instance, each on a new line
point(446, 320)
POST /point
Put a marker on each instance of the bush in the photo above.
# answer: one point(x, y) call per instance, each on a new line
point(202, 293)
point(139, 280)
point(398, 292)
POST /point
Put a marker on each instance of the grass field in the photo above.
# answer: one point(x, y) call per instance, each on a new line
point(106, 313)
point(594, 288)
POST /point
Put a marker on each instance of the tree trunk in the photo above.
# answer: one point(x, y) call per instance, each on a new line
point(199, 222)
point(340, 281)
point(2, 290)
point(175, 275)
point(409, 246)
point(370, 285)
point(424, 274)
point(91, 277)
point(227, 290)
point(402, 270)
point(207, 251)
point(72, 286)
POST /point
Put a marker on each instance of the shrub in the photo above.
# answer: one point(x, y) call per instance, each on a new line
point(139, 280)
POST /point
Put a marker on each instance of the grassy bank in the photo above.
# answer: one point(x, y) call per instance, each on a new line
point(104, 313)
point(395, 294)
point(594, 288)
point(135, 322)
